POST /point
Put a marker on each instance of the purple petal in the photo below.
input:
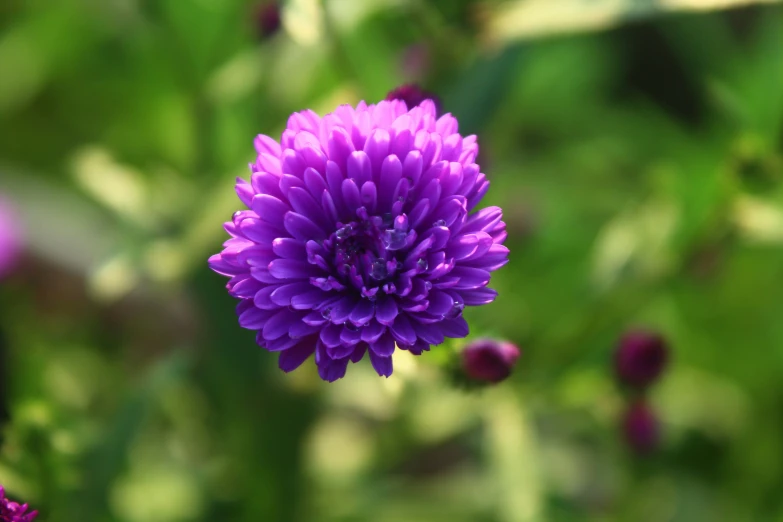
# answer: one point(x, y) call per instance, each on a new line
point(430, 333)
point(451, 179)
point(403, 331)
point(292, 269)
point(262, 300)
point(351, 195)
point(419, 212)
point(270, 209)
point(383, 346)
point(330, 335)
point(412, 166)
point(440, 237)
point(450, 210)
point(382, 365)
point(376, 149)
point(300, 227)
point(303, 203)
point(333, 370)
point(369, 196)
point(350, 337)
point(479, 296)
point(314, 182)
point(287, 182)
point(309, 300)
point(292, 163)
point(284, 293)
point(289, 248)
point(418, 347)
point(483, 220)
point(245, 288)
point(262, 274)
point(329, 369)
point(358, 168)
point(440, 303)
point(252, 318)
point(372, 331)
point(258, 231)
point(466, 245)
point(292, 358)
point(299, 329)
point(265, 144)
point(275, 345)
point(495, 255)
point(244, 191)
point(470, 278)
point(342, 309)
point(391, 171)
point(277, 325)
point(362, 312)
point(358, 353)
point(340, 146)
point(386, 310)
point(455, 328)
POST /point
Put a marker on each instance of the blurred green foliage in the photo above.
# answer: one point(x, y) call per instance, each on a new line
point(640, 168)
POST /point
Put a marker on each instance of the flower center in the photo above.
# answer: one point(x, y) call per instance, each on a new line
point(369, 252)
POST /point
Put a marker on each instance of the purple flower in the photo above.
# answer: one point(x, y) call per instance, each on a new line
point(413, 95)
point(13, 512)
point(640, 358)
point(10, 239)
point(267, 19)
point(489, 360)
point(640, 427)
point(359, 237)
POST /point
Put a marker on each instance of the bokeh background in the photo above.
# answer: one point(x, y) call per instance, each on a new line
point(635, 146)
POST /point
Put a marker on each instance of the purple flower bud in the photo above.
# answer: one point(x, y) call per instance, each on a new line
point(267, 18)
point(641, 358)
point(13, 512)
point(489, 360)
point(10, 239)
point(413, 95)
point(640, 427)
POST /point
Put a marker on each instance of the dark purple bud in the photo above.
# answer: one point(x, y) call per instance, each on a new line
point(267, 19)
point(640, 427)
point(489, 360)
point(413, 95)
point(641, 358)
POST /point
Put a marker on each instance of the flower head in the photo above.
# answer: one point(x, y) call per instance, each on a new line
point(10, 238)
point(413, 95)
point(640, 358)
point(640, 427)
point(13, 512)
point(359, 237)
point(489, 360)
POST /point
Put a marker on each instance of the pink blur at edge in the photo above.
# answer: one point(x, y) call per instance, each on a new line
point(11, 238)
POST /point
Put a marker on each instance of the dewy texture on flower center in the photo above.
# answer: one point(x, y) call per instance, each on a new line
point(358, 237)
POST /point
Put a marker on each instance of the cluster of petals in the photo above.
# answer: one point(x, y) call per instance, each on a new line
point(13, 512)
point(10, 238)
point(360, 236)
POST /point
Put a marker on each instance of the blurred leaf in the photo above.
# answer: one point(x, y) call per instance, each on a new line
point(108, 460)
point(524, 19)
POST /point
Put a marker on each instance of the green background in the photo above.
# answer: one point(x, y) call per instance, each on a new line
point(640, 167)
